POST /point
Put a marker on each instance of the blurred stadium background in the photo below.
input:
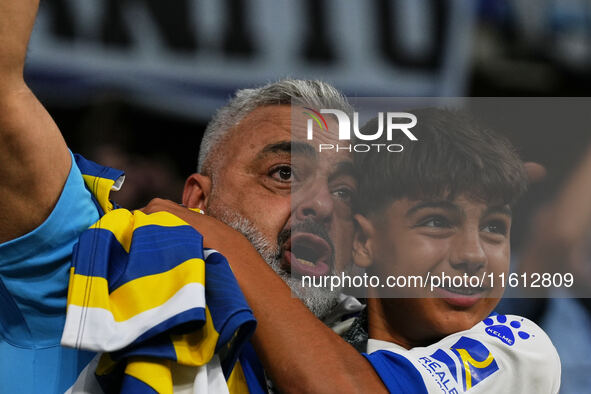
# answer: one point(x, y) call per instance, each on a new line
point(132, 83)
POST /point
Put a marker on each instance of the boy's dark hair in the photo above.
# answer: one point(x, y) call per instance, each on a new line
point(453, 156)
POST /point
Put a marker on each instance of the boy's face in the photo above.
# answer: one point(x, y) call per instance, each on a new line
point(440, 237)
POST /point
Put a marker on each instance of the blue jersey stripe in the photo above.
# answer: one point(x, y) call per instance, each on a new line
point(397, 373)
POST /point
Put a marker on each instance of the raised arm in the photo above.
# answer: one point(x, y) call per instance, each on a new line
point(560, 230)
point(571, 211)
point(34, 160)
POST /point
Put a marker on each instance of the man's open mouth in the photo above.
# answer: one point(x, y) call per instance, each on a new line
point(307, 254)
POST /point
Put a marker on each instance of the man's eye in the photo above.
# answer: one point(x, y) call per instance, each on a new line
point(343, 194)
point(496, 227)
point(282, 173)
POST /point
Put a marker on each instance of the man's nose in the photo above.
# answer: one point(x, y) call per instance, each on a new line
point(315, 203)
point(467, 253)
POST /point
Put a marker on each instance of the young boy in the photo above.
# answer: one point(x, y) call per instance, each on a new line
point(442, 209)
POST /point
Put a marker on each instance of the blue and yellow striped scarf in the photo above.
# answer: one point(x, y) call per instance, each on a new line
point(145, 293)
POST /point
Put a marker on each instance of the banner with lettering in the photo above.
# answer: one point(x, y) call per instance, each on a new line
point(188, 56)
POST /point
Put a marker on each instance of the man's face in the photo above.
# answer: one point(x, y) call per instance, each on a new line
point(293, 203)
point(451, 237)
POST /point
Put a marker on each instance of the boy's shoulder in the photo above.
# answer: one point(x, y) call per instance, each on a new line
point(503, 353)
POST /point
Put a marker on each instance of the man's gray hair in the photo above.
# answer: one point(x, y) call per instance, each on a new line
point(316, 94)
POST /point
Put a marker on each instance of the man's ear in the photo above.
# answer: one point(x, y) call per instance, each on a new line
point(197, 191)
point(363, 241)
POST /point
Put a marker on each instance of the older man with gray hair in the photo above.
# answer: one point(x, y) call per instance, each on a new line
point(246, 179)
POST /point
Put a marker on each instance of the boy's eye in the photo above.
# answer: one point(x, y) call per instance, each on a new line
point(282, 173)
point(496, 227)
point(436, 221)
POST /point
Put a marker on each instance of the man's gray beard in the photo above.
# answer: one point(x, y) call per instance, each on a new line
point(319, 301)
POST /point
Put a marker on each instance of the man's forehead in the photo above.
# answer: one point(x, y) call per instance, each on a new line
point(270, 126)
point(262, 127)
point(287, 118)
point(266, 118)
point(295, 147)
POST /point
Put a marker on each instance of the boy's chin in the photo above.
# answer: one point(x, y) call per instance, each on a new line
point(428, 320)
point(455, 315)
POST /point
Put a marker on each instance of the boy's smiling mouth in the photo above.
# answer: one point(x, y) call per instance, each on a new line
point(466, 291)
point(463, 297)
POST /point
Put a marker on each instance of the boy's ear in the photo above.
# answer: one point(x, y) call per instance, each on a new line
point(363, 241)
point(197, 191)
